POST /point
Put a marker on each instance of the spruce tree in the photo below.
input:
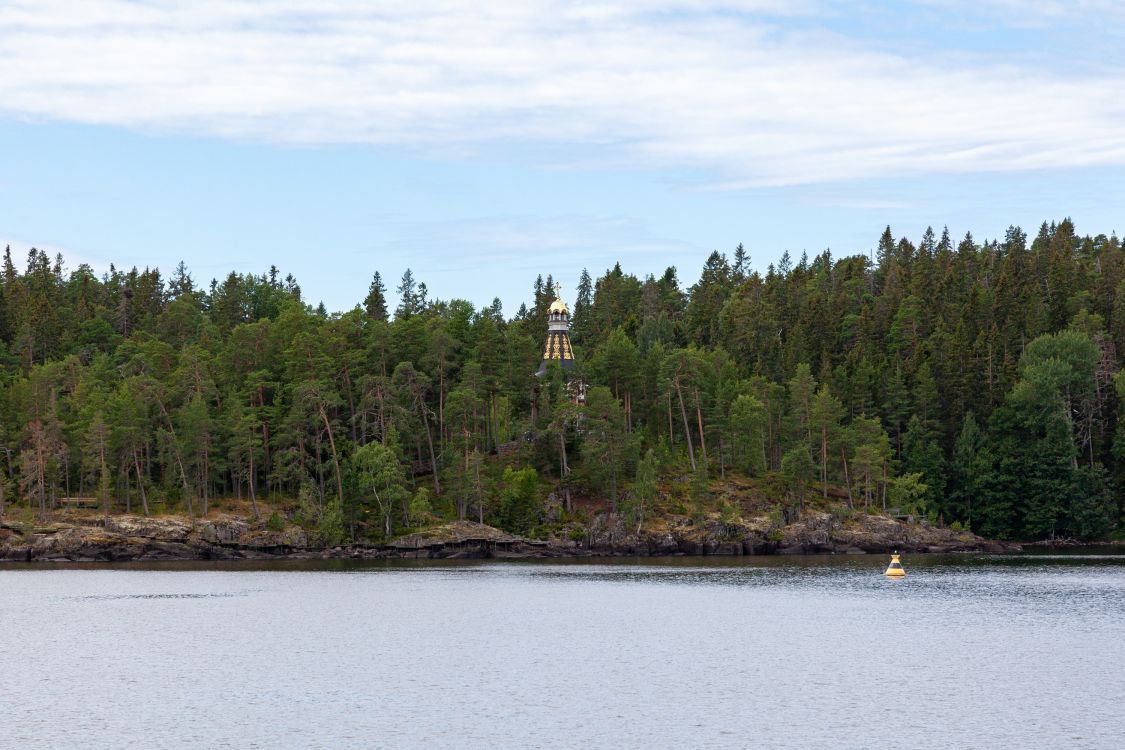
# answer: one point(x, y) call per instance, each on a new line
point(375, 304)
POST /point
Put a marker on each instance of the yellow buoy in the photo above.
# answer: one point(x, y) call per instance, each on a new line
point(894, 570)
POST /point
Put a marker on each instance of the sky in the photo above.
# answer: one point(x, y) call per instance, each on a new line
point(482, 144)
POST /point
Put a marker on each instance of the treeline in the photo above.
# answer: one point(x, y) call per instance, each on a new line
point(973, 383)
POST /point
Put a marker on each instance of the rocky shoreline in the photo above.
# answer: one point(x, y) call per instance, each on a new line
point(136, 538)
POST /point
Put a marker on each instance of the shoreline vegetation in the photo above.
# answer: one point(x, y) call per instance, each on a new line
point(233, 533)
point(974, 388)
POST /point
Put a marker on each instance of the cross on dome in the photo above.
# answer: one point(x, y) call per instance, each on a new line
point(558, 306)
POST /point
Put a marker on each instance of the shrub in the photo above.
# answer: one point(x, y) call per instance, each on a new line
point(330, 529)
point(275, 522)
point(420, 508)
point(777, 518)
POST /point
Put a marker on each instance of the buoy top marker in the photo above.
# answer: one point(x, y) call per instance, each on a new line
point(895, 570)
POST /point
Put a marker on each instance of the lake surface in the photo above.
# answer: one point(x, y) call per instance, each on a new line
point(812, 652)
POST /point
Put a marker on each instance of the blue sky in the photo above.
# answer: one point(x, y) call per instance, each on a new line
point(483, 146)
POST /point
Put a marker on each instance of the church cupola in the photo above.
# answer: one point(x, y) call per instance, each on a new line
point(558, 336)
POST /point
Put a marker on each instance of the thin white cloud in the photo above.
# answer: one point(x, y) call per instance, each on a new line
point(524, 241)
point(1035, 13)
point(719, 84)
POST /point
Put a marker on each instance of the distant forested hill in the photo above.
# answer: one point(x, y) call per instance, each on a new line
point(973, 383)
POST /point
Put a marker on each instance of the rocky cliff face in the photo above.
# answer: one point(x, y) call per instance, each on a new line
point(126, 538)
point(816, 532)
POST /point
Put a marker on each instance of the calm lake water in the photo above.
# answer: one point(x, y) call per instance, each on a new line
point(813, 652)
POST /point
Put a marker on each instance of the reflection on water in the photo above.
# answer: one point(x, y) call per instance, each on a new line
point(781, 652)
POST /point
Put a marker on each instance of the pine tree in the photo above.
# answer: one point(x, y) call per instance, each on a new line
point(827, 410)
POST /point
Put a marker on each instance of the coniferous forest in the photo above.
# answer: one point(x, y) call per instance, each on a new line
point(970, 383)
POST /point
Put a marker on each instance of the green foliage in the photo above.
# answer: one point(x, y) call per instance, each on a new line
point(748, 433)
point(420, 507)
point(330, 528)
point(798, 470)
point(309, 506)
point(700, 493)
point(520, 508)
point(642, 496)
point(971, 472)
point(605, 446)
point(923, 458)
point(379, 475)
point(979, 372)
point(909, 493)
point(275, 522)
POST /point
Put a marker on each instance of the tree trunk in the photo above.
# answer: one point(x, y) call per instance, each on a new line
point(824, 459)
point(41, 481)
point(495, 419)
point(847, 480)
point(103, 487)
point(613, 489)
point(128, 491)
point(250, 486)
point(319, 469)
point(382, 419)
point(768, 450)
point(141, 483)
point(564, 467)
point(335, 459)
point(386, 514)
point(461, 501)
point(671, 432)
point(478, 491)
point(265, 428)
point(441, 400)
point(702, 439)
point(205, 482)
point(187, 485)
point(433, 460)
point(179, 462)
point(884, 486)
point(687, 430)
point(351, 404)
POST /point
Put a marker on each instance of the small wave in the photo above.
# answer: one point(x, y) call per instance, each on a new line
point(114, 597)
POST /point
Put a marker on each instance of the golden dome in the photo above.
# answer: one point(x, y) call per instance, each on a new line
point(558, 306)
